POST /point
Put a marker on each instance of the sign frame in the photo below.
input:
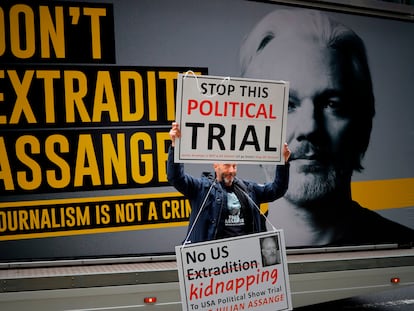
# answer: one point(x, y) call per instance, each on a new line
point(222, 273)
point(233, 120)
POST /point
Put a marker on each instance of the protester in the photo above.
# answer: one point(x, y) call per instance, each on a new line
point(223, 205)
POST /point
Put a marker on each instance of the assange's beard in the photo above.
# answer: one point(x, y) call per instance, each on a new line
point(306, 188)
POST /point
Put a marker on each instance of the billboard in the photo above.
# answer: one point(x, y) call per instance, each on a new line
point(88, 96)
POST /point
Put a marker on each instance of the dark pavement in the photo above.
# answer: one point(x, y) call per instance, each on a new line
point(398, 299)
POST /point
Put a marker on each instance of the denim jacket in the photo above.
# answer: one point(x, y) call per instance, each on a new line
point(206, 189)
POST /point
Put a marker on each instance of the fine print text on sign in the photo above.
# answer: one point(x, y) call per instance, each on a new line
point(222, 275)
point(234, 120)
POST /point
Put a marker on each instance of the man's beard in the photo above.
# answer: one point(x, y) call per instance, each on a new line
point(306, 188)
point(227, 179)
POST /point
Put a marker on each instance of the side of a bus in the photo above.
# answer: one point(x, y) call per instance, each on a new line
point(88, 220)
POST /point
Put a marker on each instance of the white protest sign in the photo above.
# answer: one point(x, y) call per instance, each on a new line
point(234, 120)
point(242, 273)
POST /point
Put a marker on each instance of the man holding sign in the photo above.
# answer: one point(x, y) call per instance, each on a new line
point(222, 205)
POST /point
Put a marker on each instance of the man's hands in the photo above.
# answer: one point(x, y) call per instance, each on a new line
point(174, 133)
point(286, 152)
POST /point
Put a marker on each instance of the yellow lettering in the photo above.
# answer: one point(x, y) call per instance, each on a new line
point(2, 32)
point(166, 210)
point(45, 220)
point(3, 119)
point(152, 96)
point(70, 214)
point(74, 98)
point(55, 224)
point(23, 220)
point(104, 91)
point(176, 209)
point(48, 77)
point(105, 216)
point(142, 167)
point(31, 143)
point(169, 77)
point(120, 213)
point(187, 210)
point(128, 212)
point(50, 32)
point(5, 169)
point(52, 143)
point(34, 219)
point(138, 206)
point(152, 211)
point(86, 164)
point(51, 218)
point(115, 159)
point(12, 221)
point(22, 15)
point(22, 104)
point(126, 78)
point(162, 155)
point(83, 219)
point(3, 221)
point(95, 13)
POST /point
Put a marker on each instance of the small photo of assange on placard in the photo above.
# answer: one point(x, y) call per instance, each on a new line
point(248, 272)
point(235, 120)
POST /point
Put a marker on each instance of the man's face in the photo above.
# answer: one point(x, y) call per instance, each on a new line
point(225, 172)
point(319, 119)
point(269, 251)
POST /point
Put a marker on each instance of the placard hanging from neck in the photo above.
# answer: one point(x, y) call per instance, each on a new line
point(247, 272)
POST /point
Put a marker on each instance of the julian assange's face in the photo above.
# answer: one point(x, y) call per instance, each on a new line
point(269, 251)
point(225, 172)
point(319, 118)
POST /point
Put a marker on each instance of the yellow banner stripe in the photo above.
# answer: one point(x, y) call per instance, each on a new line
point(51, 202)
point(384, 194)
point(91, 231)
